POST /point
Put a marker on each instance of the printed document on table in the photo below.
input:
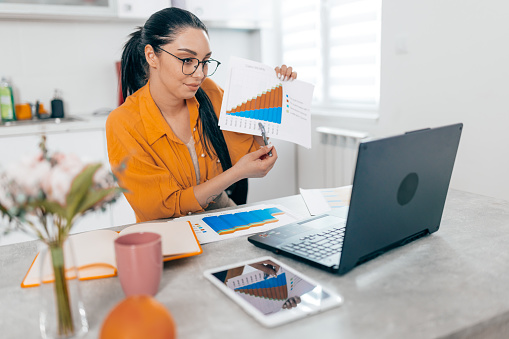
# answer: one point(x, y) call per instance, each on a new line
point(211, 227)
point(319, 201)
point(254, 94)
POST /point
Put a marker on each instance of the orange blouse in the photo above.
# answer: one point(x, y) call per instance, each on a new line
point(159, 173)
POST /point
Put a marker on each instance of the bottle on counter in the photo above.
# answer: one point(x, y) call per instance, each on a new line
point(7, 108)
point(57, 106)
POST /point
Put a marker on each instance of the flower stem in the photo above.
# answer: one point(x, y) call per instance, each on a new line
point(64, 315)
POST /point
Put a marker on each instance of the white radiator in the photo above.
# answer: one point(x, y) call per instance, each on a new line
point(339, 154)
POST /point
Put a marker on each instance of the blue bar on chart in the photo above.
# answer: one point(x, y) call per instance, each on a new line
point(230, 223)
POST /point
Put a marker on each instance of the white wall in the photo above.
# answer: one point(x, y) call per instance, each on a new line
point(455, 69)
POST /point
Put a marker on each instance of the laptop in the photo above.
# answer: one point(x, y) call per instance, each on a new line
point(398, 195)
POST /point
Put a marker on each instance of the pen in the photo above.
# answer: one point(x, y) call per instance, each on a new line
point(264, 136)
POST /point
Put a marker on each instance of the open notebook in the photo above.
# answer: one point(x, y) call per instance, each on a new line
point(94, 251)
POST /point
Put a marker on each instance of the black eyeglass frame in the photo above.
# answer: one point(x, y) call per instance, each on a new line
point(199, 62)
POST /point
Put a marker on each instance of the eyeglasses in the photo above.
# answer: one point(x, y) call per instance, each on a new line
point(190, 65)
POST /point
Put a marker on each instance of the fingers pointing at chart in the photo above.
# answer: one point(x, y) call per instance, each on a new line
point(285, 73)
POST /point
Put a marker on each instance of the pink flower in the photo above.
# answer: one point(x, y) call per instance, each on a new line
point(5, 198)
point(57, 184)
point(28, 174)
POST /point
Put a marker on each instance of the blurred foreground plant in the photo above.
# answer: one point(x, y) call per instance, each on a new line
point(44, 195)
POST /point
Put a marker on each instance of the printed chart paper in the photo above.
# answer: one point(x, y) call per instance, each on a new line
point(255, 94)
point(319, 201)
point(229, 224)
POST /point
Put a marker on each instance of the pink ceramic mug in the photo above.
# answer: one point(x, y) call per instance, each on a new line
point(139, 262)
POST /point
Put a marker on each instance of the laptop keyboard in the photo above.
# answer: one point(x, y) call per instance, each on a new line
point(320, 245)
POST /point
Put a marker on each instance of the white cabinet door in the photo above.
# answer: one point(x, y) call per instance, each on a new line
point(57, 8)
point(122, 213)
point(88, 145)
point(236, 12)
point(12, 149)
point(140, 9)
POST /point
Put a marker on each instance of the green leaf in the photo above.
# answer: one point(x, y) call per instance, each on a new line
point(95, 196)
point(5, 212)
point(79, 189)
point(3, 209)
point(51, 207)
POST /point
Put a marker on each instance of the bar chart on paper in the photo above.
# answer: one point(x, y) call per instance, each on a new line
point(241, 221)
point(234, 222)
point(323, 200)
point(255, 94)
point(266, 106)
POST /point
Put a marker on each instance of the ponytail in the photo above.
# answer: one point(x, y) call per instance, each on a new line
point(134, 68)
point(210, 129)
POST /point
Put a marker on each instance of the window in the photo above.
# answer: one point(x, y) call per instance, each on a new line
point(335, 44)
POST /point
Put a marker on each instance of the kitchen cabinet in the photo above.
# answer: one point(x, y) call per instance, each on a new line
point(140, 9)
point(88, 144)
point(238, 14)
point(229, 14)
point(58, 8)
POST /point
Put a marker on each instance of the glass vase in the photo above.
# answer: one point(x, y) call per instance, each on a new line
point(62, 313)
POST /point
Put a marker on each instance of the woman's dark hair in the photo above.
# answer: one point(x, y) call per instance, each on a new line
point(160, 29)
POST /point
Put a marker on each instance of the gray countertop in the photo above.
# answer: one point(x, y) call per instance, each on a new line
point(451, 284)
point(68, 124)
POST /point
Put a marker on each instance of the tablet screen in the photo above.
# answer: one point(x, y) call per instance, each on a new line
point(273, 289)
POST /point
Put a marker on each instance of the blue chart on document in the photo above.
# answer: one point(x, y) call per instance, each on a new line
point(228, 224)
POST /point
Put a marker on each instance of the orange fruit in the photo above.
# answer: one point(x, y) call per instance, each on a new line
point(138, 317)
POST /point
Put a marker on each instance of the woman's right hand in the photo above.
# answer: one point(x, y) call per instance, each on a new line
point(256, 164)
point(253, 165)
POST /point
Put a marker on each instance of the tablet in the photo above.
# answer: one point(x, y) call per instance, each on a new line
point(272, 292)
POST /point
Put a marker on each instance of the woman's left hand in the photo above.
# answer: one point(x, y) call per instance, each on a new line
point(285, 73)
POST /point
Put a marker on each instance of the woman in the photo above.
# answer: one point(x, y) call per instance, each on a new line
point(177, 160)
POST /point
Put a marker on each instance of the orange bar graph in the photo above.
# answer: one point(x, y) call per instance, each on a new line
point(267, 99)
point(258, 102)
point(263, 99)
point(272, 97)
point(280, 94)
